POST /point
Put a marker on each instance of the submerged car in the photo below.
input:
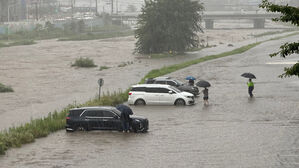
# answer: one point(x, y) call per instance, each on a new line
point(157, 94)
point(101, 118)
point(173, 82)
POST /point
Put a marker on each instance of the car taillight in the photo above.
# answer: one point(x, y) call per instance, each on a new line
point(130, 93)
point(67, 118)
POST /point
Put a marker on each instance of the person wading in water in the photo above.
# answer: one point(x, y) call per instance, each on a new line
point(205, 96)
point(250, 87)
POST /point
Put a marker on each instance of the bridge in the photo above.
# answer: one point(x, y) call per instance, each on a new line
point(209, 18)
point(258, 18)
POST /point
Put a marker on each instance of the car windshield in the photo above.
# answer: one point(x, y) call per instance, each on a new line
point(179, 82)
point(175, 89)
point(116, 111)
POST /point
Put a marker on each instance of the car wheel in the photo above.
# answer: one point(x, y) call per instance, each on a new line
point(68, 130)
point(143, 130)
point(82, 128)
point(134, 130)
point(180, 102)
point(139, 102)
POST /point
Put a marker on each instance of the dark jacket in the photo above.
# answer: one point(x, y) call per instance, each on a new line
point(124, 117)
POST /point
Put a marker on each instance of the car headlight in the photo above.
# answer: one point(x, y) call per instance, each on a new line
point(191, 97)
point(137, 120)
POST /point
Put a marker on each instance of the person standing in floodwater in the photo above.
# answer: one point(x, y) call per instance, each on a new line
point(125, 120)
point(191, 82)
point(205, 92)
point(250, 87)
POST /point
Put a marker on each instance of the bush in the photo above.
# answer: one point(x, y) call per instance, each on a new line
point(109, 99)
point(3, 45)
point(49, 26)
point(22, 42)
point(4, 88)
point(84, 62)
point(123, 64)
point(16, 136)
point(104, 67)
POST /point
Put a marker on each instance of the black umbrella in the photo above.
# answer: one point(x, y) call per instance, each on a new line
point(203, 83)
point(124, 109)
point(248, 75)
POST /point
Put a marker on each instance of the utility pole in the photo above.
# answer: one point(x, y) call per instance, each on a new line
point(97, 8)
point(72, 6)
point(8, 13)
point(35, 2)
point(111, 7)
point(36, 11)
point(9, 5)
point(8, 21)
point(41, 8)
point(116, 6)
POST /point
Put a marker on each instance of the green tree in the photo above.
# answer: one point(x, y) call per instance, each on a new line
point(49, 26)
point(289, 14)
point(168, 25)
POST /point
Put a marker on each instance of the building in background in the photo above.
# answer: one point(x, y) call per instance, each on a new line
point(13, 10)
point(20, 10)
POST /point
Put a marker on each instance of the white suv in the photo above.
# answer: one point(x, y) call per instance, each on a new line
point(159, 94)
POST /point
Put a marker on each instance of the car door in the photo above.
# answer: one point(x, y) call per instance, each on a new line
point(99, 120)
point(166, 97)
point(111, 120)
point(152, 95)
point(91, 119)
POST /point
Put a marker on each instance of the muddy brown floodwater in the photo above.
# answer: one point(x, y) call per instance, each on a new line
point(43, 80)
point(232, 132)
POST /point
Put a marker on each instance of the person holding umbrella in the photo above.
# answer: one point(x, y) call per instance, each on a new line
point(250, 84)
point(125, 116)
point(205, 91)
point(191, 80)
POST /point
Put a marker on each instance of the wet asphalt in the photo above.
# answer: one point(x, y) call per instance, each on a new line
point(233, 131)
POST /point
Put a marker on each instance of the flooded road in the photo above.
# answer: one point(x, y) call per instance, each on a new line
point(44, 81)
point(233, 131)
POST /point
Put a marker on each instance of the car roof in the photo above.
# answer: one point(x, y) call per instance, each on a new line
point(94, 108)
point(162, 78)
point(151, 85)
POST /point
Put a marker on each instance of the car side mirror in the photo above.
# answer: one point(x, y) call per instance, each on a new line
point(170, 92)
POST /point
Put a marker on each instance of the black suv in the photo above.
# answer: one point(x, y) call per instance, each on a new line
point(101, 118)
point(173, 82)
